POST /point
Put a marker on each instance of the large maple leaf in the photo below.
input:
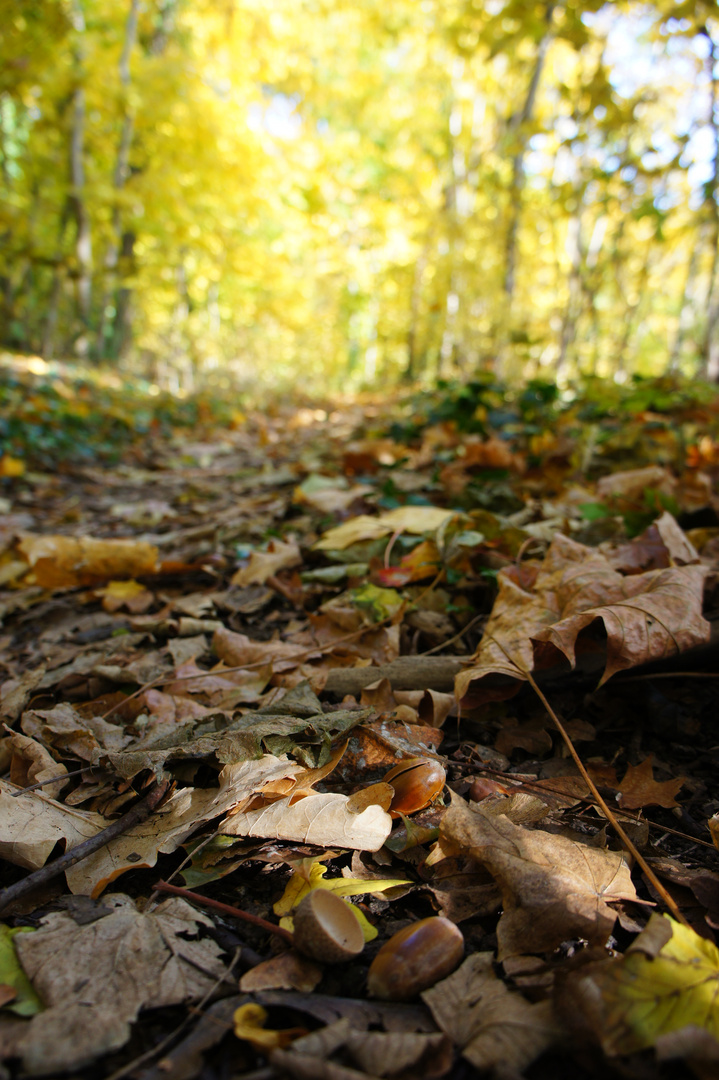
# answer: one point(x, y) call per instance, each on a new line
point(576, 606)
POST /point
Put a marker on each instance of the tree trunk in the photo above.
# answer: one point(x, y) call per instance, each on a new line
point(516, 125)
point(710, 348)
point(78, 208)
point(120, 176)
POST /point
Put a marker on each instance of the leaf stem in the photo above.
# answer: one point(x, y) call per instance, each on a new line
point(238, 913)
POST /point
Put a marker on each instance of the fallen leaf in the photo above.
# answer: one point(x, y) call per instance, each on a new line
point(493, 1027)
point(553, 888)
point(22, 999)
point(95, 978)
point(411, 519)
point(63, 562)
point(249, 1024)
point(264, 564)
point(667, 980)
point(288, 971)
point(374, 1053)
point(32, 764)
point(639, 788)
point(318, 819)
point(575, 605)
point(126, 594)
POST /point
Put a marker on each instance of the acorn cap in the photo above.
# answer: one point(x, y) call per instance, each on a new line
point(326, 928)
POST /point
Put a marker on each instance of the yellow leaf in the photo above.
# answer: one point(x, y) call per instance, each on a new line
point(298, 886)
point(647, 994)
point(411, 519)
point(10, 466)
point(249, 1024)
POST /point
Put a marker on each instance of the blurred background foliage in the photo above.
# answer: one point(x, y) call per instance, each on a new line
point(356, 192)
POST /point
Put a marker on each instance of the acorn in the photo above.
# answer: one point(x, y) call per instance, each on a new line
point(326, 928)
point(416, 782)
point(415, 958)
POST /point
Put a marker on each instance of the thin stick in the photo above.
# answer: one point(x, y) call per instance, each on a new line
point(138, 814)
point(238, 913)
point(666, 897)
point(188, 858)
point(517, 782)
point(50, 780)
point(668, 900)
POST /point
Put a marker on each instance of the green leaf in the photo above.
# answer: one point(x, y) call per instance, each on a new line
point(26, 1002)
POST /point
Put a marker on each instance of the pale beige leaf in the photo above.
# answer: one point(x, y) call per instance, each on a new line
point(263, 564)
point(32, 824)
point(318, 819)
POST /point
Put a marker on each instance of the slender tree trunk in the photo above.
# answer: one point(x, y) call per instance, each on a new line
point(49, 333)
point(574, 289)
point(710, 348)
point(122, 329)
point(120, 176)
point(685, 310)
point(78, 207)
point(517, 123)
point(411, 371)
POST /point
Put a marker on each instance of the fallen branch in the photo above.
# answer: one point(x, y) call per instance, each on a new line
point(406, 673)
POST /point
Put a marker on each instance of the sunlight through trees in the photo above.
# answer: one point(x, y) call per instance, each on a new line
point(357, 192)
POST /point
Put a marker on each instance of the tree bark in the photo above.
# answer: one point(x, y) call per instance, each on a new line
point(710, 347)
point(83, 238)
point(515, 126)
point(122, 168)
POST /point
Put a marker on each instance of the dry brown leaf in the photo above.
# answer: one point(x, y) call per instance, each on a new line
point(553, 888)
point(625, 488)
point(552, 615)
point(72, 734)
point(63, 562)
point(492, 1026)
point(263, 564)
point(639, 788)
point(237, 650)
point(376, 1053)
point(32, 764)
point(94, 978)
point(318, 819)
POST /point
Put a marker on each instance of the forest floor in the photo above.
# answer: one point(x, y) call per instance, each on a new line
point(444, 656)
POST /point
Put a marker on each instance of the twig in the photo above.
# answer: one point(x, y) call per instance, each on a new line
point(238, 913)
point(457, 636)
point(50, 780)
point(518, 783)
point(188, 858)
point(668, 900)
point(138, 814)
